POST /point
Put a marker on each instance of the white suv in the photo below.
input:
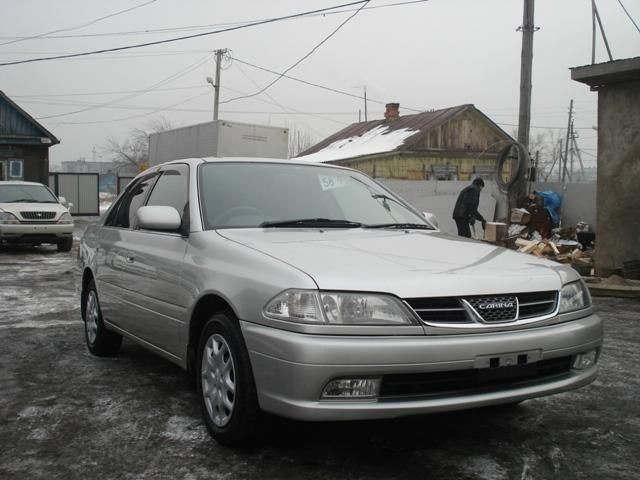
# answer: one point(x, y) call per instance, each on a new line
point(30, 213)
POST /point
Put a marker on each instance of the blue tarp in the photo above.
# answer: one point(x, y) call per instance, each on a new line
point(552, 202)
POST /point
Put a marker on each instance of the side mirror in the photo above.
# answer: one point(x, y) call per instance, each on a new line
point(69, 206)
point(62, 200)
point(431, 218)
point(158, 218)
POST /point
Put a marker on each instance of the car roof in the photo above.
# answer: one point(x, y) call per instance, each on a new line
point(195, 161)
point(199, 160)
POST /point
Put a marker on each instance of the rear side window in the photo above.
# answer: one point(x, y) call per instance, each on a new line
point(172, 189)
point(123, 213)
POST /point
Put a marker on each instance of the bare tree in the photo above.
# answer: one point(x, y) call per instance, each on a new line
point(547, 146)
point(299, 141)
point(134, 149)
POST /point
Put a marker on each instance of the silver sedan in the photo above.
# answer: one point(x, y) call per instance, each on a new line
point(312, 292)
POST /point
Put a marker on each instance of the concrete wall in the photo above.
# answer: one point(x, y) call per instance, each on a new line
point(618, 175)
point(439, 198)
point(578, 201)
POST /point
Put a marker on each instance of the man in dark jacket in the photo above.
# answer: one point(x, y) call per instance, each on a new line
point(466, 209)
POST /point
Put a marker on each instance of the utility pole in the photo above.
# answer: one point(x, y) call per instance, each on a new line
point(566, 144)
point(527, 29)
point(216, 87)
point(577, 150)
point(365, 104)
point(604, 36)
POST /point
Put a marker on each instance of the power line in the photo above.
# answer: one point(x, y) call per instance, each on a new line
point(187, 37)
point(113, 92)
point(172, 107)
point(304, 57)
point(205, 26)
point(279, 105)
point(169, 107)
point(166, 80)
point(284, 111)
point(80, 26)
point(629, 15)
point(323, 87)
point(550, 128)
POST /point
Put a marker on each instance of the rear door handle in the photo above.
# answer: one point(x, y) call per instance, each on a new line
point(129, 259)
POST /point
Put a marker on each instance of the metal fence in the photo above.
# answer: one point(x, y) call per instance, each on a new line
point(122, 183)
point(81, 189)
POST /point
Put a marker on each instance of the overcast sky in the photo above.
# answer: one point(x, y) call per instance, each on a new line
point(425, 55)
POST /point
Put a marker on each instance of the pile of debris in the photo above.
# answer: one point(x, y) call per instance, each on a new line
point(532, 233)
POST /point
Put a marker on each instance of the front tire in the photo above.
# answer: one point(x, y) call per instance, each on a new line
point(65, 244)
point(225, 384)
point(100, 341)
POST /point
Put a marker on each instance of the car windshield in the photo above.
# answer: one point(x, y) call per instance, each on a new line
point(271, 195)
point(26, 194)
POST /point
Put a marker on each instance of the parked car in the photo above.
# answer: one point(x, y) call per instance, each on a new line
point(31, 214)
point(312, 292)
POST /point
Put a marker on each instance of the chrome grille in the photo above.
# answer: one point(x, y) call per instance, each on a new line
point(494, 309)
point(439, 310)
point(35, 222)
point(537, 304)
point(38, 215)
point(465, 311)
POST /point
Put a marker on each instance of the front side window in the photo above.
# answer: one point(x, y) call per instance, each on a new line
point(26, 194)
point(246, 194)
point(172, 188)
point(122, 215)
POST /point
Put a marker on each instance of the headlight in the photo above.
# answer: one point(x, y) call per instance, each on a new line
point(65, 218)
point(337, 308)
point(574, 296)
point(7, 218)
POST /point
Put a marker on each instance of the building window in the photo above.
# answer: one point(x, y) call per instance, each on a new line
point(444, 172)
point(16, 170)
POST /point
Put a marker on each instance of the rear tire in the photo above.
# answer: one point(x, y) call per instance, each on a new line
point(225, 384)
point(65, 244)
point(100, 341)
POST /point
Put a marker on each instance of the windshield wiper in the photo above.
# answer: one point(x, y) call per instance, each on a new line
point(24, 200)
point(402, 226)
point(312, 222)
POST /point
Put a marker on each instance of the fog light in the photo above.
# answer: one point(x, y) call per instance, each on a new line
point(352, 388)
point(584, 360)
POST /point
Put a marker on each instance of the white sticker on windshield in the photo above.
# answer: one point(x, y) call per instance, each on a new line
point(327, 182)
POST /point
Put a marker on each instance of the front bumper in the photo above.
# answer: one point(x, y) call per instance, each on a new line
point(34, 233)
point(292, 369)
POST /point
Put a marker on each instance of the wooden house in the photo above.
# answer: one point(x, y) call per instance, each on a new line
point(24, 144)
point(457, 143)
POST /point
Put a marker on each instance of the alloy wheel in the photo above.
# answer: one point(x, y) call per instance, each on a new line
point(218, 380)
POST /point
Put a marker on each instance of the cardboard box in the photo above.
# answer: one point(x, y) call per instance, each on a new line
point(520, 215)
point(495, 231)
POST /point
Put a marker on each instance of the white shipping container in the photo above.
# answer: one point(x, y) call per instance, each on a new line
point(220, 138)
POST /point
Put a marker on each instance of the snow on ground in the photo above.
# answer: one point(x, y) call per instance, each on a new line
point(378, 140)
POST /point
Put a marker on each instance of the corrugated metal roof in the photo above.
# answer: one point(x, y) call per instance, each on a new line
point(17, 126)
point(422, 123)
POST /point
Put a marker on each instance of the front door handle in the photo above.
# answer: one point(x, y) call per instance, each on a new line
point(129, 259)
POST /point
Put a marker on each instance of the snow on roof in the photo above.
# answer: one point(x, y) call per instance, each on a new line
point(378, 140)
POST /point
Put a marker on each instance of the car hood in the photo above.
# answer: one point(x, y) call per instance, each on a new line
point(405, 263)
point(32, 207)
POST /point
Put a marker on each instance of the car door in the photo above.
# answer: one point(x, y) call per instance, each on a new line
point(153, 266)
point(113, 272)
